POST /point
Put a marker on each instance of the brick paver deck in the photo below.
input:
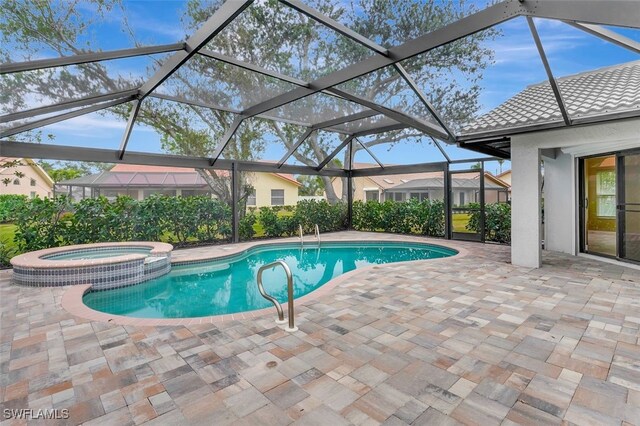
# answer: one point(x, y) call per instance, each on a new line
point(470, 340)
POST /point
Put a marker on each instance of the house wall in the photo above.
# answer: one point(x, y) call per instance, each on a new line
point(359, 185)
point(42, 188)
point(526, 151)
point(265, 182)
point(559, 203)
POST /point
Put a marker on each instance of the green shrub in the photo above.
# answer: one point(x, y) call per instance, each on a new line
point(39, 223)
point(10, 205)
point(497, 222)
point(245, 227)
point(411, 217)
point(329, 217)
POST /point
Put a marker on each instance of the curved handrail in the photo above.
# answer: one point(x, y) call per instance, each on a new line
point(301, 235)
point(318, 234)
point(287, 270)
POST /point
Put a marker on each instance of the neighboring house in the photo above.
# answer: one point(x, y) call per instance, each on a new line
point(139, 182)
point(505, 177)
point(428, 185)
point(31, 179)
point(591, 174)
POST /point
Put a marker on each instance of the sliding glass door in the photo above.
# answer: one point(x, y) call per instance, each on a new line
point(610, 205)
point(600, 205)
point(629, 206)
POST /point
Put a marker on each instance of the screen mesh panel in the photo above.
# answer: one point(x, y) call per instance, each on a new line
point(273, 36)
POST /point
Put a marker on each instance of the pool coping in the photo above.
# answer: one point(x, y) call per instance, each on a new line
point(72, 297)
point(36, 260)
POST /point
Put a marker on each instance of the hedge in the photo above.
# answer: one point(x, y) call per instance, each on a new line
point(9, 204)
point(52, 222)
point(411, 217)
point(497, 222)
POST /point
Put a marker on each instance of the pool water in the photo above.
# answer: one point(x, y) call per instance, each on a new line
point(98, 253)
point(229, 285)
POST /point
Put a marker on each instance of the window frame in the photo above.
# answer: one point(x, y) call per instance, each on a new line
point(273, 197)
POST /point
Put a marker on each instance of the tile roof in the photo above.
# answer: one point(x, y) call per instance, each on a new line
point(137, 168)
point(602, 91)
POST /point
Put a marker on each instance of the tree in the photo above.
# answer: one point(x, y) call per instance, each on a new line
point(311, 185)
point(476, 166)
point(273, 36)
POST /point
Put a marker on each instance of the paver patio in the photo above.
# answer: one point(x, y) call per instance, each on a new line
point(470, 340)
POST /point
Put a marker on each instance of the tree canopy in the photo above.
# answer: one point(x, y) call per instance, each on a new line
point(268, 34)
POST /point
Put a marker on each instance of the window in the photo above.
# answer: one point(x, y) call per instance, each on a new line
point(462, 198)
point(420, 196)
point(33, 194)
point(394, 196)
point(606, 193)
point(16, 181)
point(277, 197)
point(33, 182)
point(251, 198)
point(371, 195)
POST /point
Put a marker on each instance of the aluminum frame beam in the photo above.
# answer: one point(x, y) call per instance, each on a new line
point(335, 152)
point(73, 153)
point(61, 117)
point(84, 58)
point(608, 35)
point(251, 67)
point(398, 116)
point(366, 148)
point(547, 68)
point(621, 13)
point(442, 151)
point(295, 146)
point(127, 131)
point(334, 25)
point(88, 100)
point(377, 130)
point(226, 109)
point(346, 119)
point(292, 80)
point(216, 23)
point(225, 139)
point(403, 169)
point(461, 28)
point(423, 98)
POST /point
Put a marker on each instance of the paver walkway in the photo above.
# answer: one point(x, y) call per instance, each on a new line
point(469, 340)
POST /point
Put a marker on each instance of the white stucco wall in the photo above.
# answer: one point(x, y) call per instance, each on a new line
point(559, 203)
point(560, 183)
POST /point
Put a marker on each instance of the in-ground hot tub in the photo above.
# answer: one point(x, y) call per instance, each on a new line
point(103, 265)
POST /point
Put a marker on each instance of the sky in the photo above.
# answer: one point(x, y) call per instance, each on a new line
point(517, 65)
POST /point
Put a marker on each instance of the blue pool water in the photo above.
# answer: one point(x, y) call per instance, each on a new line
point(228, 285)
point(82, 254)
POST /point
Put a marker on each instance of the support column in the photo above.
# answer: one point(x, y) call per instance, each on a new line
point(235, 217)
point(447, 203)
point(526, 215)
point(349, 200)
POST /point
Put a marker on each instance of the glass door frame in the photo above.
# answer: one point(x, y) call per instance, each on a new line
point(620, 210)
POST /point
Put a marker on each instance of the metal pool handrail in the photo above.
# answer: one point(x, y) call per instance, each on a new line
point(292, 326)
point(318, 234)
point(301, 237)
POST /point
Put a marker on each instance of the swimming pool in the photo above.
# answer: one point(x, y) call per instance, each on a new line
point(228, 285)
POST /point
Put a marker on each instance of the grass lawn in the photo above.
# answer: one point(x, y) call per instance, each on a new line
point(460, 221)
point(7, 230)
